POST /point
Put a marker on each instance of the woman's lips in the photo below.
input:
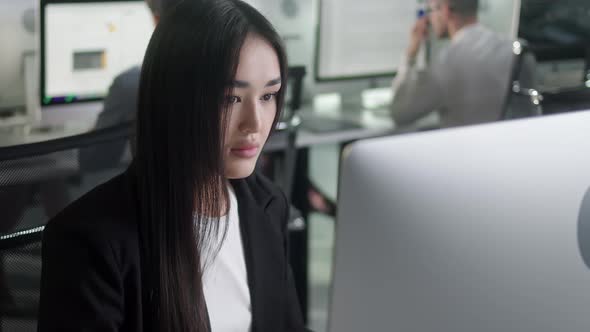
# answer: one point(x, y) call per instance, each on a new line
point(245, 151)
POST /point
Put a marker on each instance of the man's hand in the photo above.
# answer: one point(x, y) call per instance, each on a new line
point(418, 35)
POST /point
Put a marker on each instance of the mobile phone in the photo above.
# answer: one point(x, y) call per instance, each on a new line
point(421, 13)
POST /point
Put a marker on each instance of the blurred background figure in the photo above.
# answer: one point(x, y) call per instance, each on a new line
point(120, 105)
point(467, 83)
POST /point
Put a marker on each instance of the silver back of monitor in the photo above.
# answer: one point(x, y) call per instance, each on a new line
point(473, 229)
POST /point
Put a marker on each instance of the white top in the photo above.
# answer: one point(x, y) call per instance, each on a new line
point(225, 280)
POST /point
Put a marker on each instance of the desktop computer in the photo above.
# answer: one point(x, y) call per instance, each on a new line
point(358, 49)
point(483, 228)
point(85, 45)
point(350, 45)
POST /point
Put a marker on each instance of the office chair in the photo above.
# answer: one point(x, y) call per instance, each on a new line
point(522, 99)
point(286, 169)
point(36, 182)
point(285, 136)
point(296, 76)
point(21, 252)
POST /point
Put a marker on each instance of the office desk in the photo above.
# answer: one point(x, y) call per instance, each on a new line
point(15, 136)
point(373, 123)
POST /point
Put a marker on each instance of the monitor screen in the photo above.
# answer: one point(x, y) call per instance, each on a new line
point(357, 39)
point(85, 45)
point(556, 30)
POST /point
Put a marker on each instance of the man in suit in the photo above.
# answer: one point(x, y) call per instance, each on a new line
point(467, 83)
point(120, 106)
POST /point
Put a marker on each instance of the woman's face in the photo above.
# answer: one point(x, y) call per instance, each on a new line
point(252, 106)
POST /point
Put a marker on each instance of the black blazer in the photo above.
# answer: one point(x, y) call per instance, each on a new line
point(91, 275)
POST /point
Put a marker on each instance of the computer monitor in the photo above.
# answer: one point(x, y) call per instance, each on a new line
point(17, 39)
point(480, 228)
point(361, 39)
point(556, 30)
point(367, 39)
point(86, 44)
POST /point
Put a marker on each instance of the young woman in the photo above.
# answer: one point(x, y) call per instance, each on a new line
point(188, 238)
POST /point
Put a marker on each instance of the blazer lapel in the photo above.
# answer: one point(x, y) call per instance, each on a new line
point(264, 256)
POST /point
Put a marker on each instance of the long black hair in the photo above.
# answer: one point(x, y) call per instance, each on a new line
point(189, 64)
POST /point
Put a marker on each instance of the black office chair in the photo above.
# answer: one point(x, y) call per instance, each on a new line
point(289, 125)
point(282, 170)
point(36, 182)
point(522, 99)
point(286, 169)
point(21, 254)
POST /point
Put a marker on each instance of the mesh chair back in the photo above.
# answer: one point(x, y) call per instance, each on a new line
point(36, 182)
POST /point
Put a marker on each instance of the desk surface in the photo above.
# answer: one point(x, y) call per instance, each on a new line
point(372, 123)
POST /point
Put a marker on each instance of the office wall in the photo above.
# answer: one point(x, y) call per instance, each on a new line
point(296, 22)
point(500, 15)
point(294, 19)
point(16, 39)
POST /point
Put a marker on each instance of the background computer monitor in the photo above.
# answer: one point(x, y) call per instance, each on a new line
point(17, 39)
point(367, 39)
point(360, 39)
point(556, 29)
point(460, 230)
point(558, 33)
point(86, 44)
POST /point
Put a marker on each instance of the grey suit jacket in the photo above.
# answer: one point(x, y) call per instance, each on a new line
point(120, 106)
point(467, 83)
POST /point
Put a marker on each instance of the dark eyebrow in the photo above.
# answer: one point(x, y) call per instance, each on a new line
point(273, 82)
point(240, 84)
point(244, 84)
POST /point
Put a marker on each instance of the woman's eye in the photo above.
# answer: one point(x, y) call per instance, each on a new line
point(269, 96)
point(233, 99)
